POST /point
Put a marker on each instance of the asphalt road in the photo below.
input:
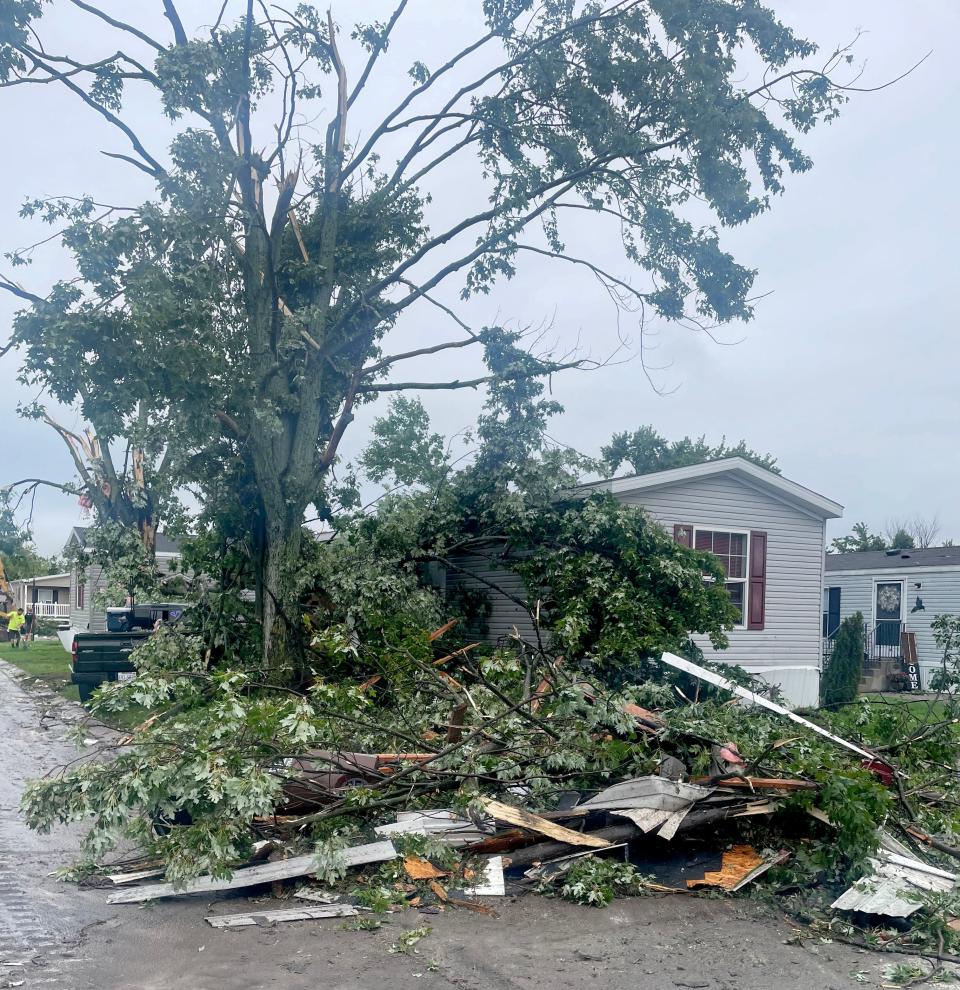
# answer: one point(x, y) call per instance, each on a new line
point(58, 936)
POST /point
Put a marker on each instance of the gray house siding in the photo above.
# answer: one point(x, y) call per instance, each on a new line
point(506, 615)
point(939, 589)
point(795, 548)
point(88, 618)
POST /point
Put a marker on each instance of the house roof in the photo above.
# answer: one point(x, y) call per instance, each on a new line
point(43, 577)
point(894, 560)
point(735, 467)
point(164, 543)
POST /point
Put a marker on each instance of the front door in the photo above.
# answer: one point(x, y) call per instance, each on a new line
point(888, 612)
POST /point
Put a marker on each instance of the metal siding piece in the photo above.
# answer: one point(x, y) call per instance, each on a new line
point(444, 826)
point(648, 792)
point(887, 889)
point(491, 882)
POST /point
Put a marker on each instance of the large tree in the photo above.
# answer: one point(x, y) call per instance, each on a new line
point(249, 305)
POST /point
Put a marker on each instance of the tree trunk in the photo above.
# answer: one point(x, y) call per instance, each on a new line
point(279, 602)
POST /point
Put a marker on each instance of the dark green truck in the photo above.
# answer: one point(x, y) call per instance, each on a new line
point(99, 657)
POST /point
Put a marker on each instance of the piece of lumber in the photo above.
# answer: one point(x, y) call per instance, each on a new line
point(524, 819)
point(316, 896)
point(283, 869)
point(286, 914)
point(542, 851)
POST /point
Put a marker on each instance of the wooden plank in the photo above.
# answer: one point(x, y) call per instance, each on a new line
point(284, 869)
point(286, 914)
point(524, 819)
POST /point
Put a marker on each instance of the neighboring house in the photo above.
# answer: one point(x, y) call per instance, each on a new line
point(770, 534)
point(47, 597)
point(85, 614)
point(899, 592)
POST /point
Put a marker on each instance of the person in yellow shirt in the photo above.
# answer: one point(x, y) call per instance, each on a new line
point(15, 621)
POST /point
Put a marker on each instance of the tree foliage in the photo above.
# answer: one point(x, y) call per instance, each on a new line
point(859, 539)
point(260, 288)
point(19, 555)
point(645, 451)
point(841, 676)
point(900, 534)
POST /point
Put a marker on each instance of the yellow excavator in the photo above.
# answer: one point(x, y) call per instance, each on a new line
point(4, 583)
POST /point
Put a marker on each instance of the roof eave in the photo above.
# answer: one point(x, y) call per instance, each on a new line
point(790, 491)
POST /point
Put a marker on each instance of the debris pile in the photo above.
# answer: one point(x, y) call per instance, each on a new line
point(723, 799)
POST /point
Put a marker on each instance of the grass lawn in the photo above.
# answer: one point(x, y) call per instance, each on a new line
point(46, 662)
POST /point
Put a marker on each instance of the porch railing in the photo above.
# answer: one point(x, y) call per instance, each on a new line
point(880, 642)
point(49, 610)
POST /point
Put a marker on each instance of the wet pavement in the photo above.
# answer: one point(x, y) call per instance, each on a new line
point(40, 918)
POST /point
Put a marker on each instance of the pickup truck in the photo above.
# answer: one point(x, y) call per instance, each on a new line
point(99, 657)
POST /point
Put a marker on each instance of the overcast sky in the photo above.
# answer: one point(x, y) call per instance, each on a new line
point(848, 373)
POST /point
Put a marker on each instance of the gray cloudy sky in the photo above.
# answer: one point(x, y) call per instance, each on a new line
point(848, 373)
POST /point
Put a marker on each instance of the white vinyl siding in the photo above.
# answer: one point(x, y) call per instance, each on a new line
point(795, 547)
point(939, 590)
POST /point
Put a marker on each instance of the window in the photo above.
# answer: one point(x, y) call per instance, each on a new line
point(80, 594)
point(732, 550)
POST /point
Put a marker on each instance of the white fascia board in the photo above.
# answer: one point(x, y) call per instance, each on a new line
point(821, 505)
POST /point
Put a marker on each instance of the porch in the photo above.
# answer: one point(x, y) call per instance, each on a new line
point(889, 648)
point(48, 610)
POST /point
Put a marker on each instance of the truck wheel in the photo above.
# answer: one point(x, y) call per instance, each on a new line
point(86, 691)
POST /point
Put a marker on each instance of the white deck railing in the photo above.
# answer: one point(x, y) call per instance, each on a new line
point(49, 610)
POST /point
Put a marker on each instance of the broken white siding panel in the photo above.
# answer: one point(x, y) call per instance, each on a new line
point(445, 826)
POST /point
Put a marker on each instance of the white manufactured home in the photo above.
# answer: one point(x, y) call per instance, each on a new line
point(899, 593)
point(87, 614)
point(770, 535)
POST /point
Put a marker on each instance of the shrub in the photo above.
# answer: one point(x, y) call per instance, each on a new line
point(841, 677)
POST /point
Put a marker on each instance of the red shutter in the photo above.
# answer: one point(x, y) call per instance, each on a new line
point(683, 535)
point(758, 579)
